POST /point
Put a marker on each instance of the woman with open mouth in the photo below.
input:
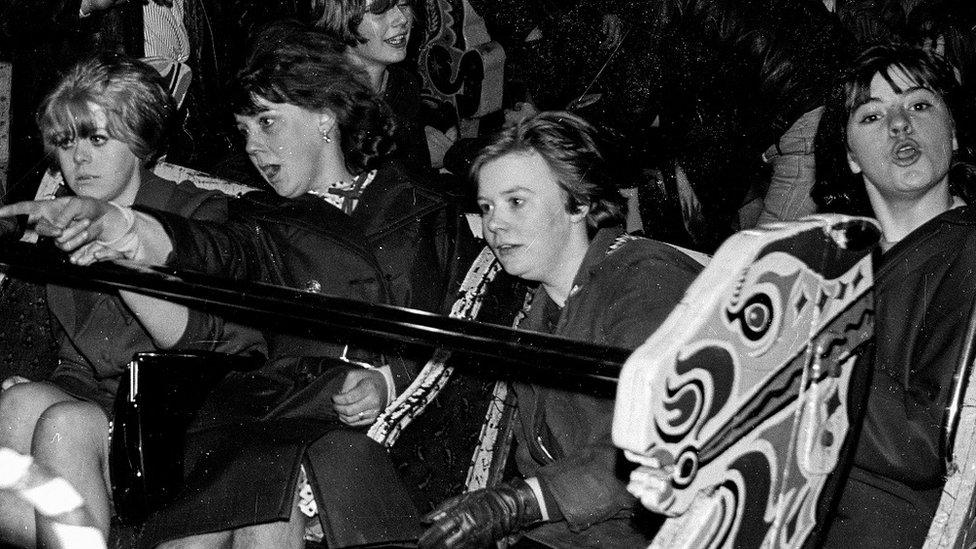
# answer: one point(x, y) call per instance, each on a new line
point(894, 144)
point(376, 34)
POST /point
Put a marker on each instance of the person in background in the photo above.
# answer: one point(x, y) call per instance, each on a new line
point(375, 34)
point(553, 215)
point(105, 125)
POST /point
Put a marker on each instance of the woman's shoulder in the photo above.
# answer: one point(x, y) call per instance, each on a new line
point(638, 252)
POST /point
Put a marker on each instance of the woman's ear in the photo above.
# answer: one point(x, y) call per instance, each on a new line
point(327, 126)
point(580, 214)
point(852, 163)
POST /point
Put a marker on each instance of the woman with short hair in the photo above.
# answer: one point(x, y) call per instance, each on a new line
point(552, 214)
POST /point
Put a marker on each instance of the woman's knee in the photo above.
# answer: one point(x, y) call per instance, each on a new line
point(20, 407)
point(71, 424)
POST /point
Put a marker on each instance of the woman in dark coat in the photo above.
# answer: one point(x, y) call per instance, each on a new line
point(105, 123)
point(552, 214)
point(896, 137)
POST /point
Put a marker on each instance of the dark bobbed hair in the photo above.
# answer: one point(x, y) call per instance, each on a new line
point(297, 65)
point(139, 110)
point(342, 18)
point(839, 190)
point(570, 147)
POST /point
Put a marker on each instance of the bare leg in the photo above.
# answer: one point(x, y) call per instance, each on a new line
point(20, 407)
point(72, 439)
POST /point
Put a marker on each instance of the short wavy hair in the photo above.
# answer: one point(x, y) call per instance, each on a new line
point(839, 190)
point(300, 66)
point(342, 18)
point(139, 110)
point(570, 146)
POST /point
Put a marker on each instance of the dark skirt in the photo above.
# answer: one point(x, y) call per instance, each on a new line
point(246, 447)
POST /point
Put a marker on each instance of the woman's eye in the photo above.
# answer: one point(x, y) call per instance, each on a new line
point(922, 106)
point(484, 208)
point(98, 139)
point(266, 121)
point(516, 202)
point(869, 118)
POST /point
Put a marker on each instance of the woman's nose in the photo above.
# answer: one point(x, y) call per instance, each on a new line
point(401, 15)
point(899, 122)
point(490, 221)
point(251, 143)
point(82, 151)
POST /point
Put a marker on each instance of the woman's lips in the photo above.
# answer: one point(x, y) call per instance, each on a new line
point(905, 153)
point(398, 41)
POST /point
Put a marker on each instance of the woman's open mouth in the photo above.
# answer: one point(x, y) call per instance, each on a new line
point(398, 41)
point(906, 153)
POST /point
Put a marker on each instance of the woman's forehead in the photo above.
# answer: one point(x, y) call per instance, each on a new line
point(893, 79)
point(78, 114)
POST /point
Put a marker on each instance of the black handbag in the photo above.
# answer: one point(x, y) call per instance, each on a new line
point(158, 397)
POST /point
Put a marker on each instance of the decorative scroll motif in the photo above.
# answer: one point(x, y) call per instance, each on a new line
point(459, 63)
point(435, 374)
point(744, 389)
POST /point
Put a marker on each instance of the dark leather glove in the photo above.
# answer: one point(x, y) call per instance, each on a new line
point(481, 517)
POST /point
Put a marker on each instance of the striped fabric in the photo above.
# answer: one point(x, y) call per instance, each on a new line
point(167, 46)
point(164, 33)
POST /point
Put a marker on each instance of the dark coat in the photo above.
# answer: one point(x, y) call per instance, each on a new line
point(99, 334)
point(924, 295)
point(623, 291)
point(244, 452)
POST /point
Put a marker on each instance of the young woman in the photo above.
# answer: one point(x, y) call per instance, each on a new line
point(104, 125)
point(376, 34)
point(340, 221)
point(552, 214)
point(895, 143)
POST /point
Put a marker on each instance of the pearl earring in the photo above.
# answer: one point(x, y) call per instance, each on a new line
point(325, 136)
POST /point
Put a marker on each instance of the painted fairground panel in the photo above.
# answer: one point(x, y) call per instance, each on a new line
point(746, 394)
point(459, 62)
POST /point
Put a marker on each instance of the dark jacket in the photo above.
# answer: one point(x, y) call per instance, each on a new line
point(246, 448)
point(924, 295)
point(99, 333)
point(623, 291)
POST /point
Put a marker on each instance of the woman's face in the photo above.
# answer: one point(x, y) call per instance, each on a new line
point(285, 144)
point(524, 217)
point(386, 34)
point(99, 166)
point(901, 142)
